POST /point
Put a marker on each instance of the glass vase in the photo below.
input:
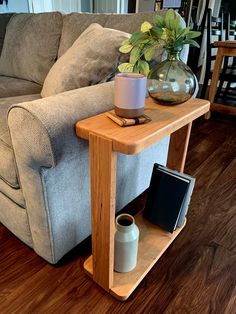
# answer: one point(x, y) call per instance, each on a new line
point(171, 82)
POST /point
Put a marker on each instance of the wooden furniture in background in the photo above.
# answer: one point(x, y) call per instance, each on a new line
point(106, 139)
point(225, 49)
point(215, 31)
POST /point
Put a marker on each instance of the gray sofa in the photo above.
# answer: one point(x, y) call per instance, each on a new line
point(44, 167)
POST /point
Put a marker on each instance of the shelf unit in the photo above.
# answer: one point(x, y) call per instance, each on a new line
point(106, 139)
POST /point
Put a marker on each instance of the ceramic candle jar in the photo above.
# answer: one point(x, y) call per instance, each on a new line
point(130, 92)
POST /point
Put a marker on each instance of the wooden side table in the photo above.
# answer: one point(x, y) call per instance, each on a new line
point(105, 140)
point(225, 49)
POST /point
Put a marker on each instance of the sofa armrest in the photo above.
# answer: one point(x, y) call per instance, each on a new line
point(53, 165)
point(56, 116)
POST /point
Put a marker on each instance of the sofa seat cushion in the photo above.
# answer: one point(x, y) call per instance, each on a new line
point(13, 194)
point(7, 166)
point(31, 45)
point(10, 87)
point(8, 172)
point(91, 59)
point(15, 218)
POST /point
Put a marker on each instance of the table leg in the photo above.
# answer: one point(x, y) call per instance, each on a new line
point(215, 78)
point(103, 189)
point(178, 148)
point(215, 75)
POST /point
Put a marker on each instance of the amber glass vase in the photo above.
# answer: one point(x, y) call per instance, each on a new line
point(171, 82)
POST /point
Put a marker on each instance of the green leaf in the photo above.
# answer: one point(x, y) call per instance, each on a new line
point(134, 37)
point(126, 67)
point(159, 21)
point(193, 34)
point(136, 68)
point(177, 23)
point(165, 34)
point(145, 27)
point(190, 42)
point(135, 54)
point(149, 53)
point(170, 19)
point(138, 38)
point(186, 31)
point(125, 42)
point(156, 32)
point(180, 32)
point(126, 48)
point(143, 67)
point(179, 42)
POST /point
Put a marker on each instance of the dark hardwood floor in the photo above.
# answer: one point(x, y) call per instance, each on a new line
point(197, 274)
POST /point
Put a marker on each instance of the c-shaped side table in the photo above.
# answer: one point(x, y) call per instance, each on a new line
point(106, 139)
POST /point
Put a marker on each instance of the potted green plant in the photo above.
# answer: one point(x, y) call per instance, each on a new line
point(171, 81)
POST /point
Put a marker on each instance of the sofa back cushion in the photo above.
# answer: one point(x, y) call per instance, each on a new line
point(4, 19)
point(31, 45)
point(75, 23)
point(89, 60)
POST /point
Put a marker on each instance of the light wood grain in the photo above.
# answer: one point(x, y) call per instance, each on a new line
point(225, 49)
point(103, 188)
point(178, 148)
point(131, 140)
point(152, 243)
point(225, 44)
point(223, 108)
point(215, 75)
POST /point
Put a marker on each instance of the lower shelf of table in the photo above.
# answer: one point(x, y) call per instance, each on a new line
point(152, 244)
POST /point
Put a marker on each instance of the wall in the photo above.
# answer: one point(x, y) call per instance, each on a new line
point(144, 5)
point(65, 6)
point(15, 6)
point(86, 5)
point(110, 6)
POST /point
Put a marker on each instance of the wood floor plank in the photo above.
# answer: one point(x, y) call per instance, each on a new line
point(197, 274)
point(207, 268)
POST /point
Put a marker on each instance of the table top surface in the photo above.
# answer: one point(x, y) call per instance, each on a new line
point(225, 44)
point(133, 139)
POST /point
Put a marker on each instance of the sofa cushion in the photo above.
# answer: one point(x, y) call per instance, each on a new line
point(8, 171)
point(74, 25)
point(13, 194)
point(130, 22)
point(15, 218)
point(7, 165)
point(4, 19)
point(31, 45)
point(10, 87)
point(90, 59)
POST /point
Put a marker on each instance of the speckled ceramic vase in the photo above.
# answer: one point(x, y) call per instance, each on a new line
point(126, 243)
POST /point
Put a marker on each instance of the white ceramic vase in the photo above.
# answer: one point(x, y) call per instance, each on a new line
point(126, 243)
